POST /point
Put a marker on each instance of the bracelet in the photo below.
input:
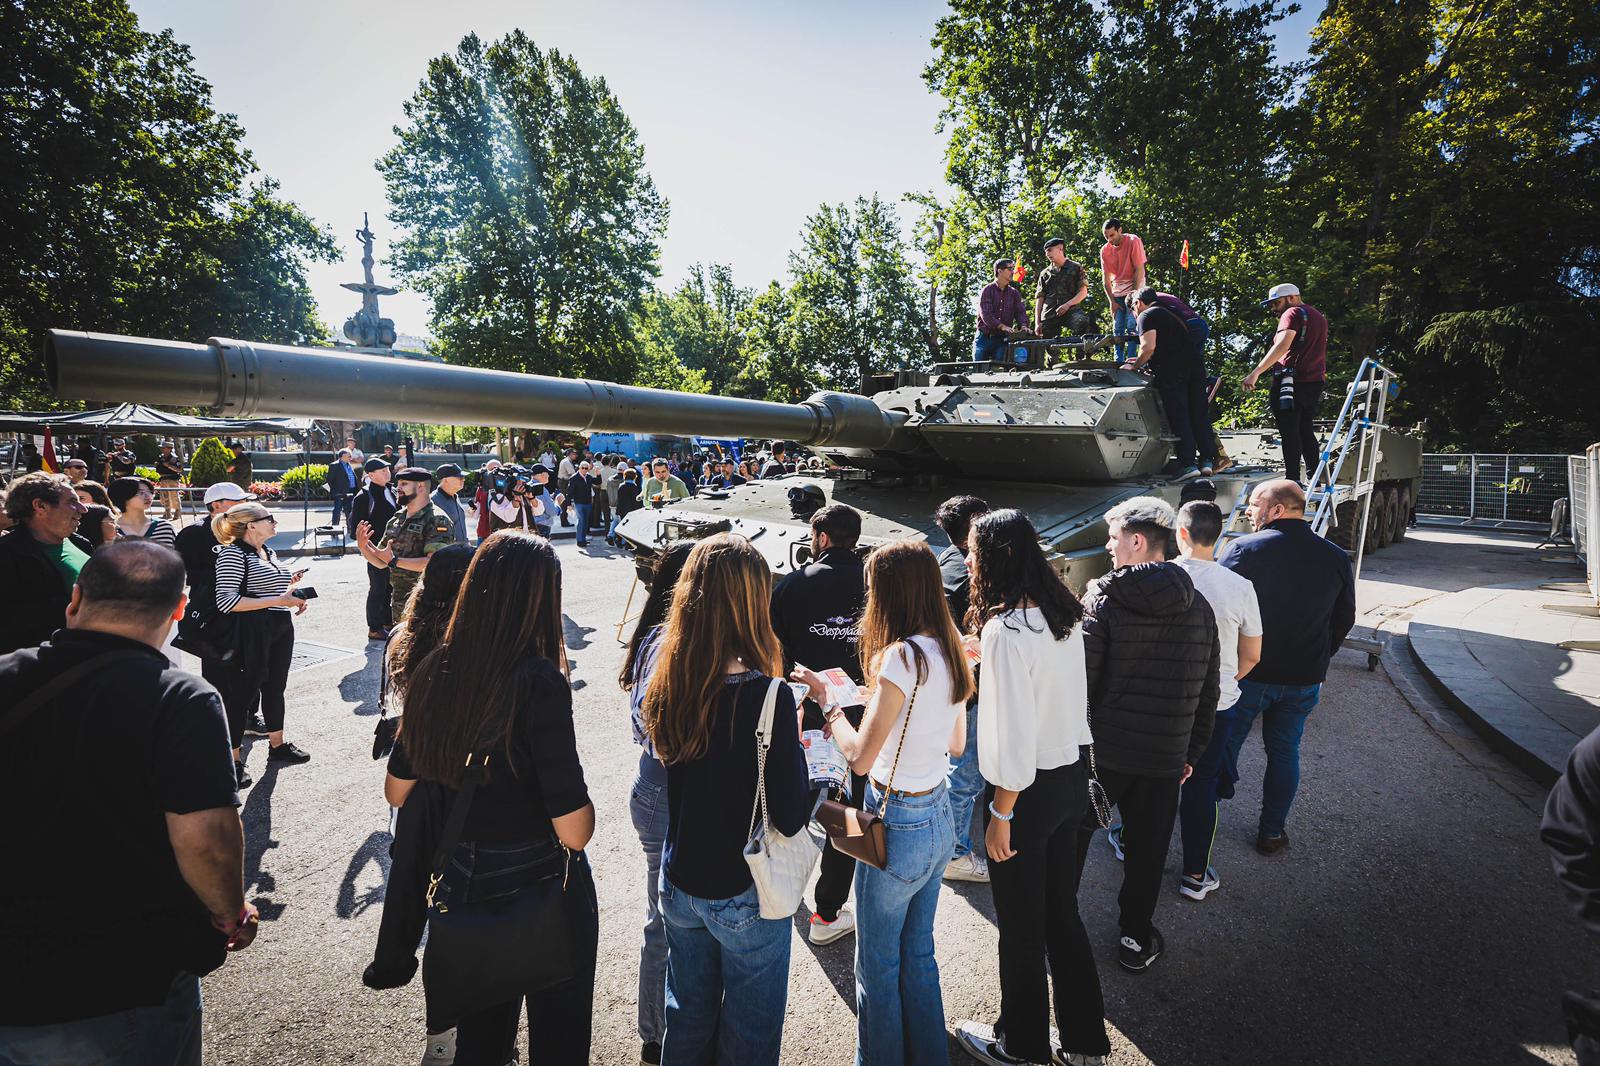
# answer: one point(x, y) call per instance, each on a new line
point(997, 814)
point(832, 713)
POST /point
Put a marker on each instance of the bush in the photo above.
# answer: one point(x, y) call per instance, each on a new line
point(210, 463)
point(146, 472)
point(267, 491)
point(300, 481)
point(144, 447)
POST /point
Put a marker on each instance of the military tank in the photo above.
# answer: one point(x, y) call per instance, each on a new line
point(1049, 429)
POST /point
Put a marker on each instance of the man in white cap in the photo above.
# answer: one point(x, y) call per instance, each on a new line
point(197, 546)
point(1301, 347)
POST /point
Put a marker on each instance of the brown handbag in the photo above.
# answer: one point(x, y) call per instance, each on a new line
point(860, 834)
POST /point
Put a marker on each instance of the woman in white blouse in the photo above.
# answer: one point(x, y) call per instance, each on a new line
point(916, 717)
point(1032, 720)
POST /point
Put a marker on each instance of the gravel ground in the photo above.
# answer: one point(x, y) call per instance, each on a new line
point(1414, 918)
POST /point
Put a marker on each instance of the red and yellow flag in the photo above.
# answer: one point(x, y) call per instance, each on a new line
point(1022, 269)
point(47, 454)
point(1183, 259)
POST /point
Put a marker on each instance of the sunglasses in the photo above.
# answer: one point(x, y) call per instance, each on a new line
point(270, 518)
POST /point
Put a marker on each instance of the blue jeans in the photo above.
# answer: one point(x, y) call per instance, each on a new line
point(583, 510)
point(341, 505)
point(648, 805)
point(1125, 323)
point(166, 1033)
point(1201, 796)
point(727, 980)
point(965, 783)
point(899, 1009)
point(1283, 710)
point(985, 347)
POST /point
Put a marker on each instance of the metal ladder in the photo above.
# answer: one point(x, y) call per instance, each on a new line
point(1365, 410)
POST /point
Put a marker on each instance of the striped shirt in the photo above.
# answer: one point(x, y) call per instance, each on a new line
point(159, 530)
point(260, 578)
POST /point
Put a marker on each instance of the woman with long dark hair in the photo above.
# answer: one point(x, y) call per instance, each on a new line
point(916, 716)
point(497, 686)
point(419, 631)
point(647, 801)
point(98, 525)
point(727, 967)
point(1032, 721)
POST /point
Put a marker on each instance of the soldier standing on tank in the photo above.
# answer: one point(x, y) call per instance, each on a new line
point(1000, 314)
point(1063, 286)
point(417, 530)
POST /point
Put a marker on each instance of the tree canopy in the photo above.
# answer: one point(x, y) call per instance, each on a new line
point(530, 220)
point(127, 203)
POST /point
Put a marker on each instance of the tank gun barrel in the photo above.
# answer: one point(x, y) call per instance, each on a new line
point(238, 379)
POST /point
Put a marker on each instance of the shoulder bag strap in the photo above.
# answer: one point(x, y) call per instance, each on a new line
point(19, 712)
point(916, 685)
point(763, 744)
point(450, 836)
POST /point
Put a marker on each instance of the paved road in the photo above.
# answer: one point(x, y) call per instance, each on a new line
point(1413, 920)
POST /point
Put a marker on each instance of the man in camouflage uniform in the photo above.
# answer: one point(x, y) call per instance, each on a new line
point(1063, 286)
point(417, 530)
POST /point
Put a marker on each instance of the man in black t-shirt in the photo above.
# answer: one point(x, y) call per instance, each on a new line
point(115, 978)
point(375, 504)
point(816, 613)
point(774, 467)
point(955, 517)
point(1179, 375)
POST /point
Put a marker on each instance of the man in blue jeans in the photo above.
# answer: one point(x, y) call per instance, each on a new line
point(965, 783)
point(1307, 594)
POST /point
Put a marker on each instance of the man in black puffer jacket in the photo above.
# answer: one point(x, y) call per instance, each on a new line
point(1150, 641)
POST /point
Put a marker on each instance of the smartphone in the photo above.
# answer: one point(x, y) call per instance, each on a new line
point(307, 593)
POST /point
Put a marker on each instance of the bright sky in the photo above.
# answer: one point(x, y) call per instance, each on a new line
point(751, 113)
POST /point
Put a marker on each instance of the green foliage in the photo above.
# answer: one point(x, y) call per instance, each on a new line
point(533, 225)
point(209, 464)
point(127, 203)
point(693, 336)
point(311, 479)
point(146, 472)
point(145, 447)
point(1436, 184)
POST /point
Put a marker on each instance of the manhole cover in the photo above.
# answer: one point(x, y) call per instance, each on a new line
point(308, 654)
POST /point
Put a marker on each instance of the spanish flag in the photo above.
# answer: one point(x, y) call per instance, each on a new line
point(47, 454)
point(1022, 270)
point(1183, 259)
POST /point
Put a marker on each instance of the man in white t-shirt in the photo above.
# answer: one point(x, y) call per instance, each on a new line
point(1233, 603)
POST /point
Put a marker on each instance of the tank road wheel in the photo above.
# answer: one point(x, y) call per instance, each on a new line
point(1402, 513)
point(1343, 531)
point(1378, 520)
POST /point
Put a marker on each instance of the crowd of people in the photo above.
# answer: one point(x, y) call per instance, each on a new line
point(1159, 333)
point(975, 683)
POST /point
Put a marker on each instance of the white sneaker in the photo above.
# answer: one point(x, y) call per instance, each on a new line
point(441, 1050)
point(968, 867)
point(978, 1040)
point(1072, 1058)
point(827, 932)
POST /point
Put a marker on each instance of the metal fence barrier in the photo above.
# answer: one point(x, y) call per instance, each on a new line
point(1578, 478)
point(1499, 489)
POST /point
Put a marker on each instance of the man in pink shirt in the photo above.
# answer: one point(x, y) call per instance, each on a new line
point(1122, 274)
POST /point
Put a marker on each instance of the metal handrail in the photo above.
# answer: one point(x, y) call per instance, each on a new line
point(1353, 427)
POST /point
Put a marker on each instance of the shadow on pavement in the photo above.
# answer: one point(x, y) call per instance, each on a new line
point(259, 884)
point(375, 849)
point(837, 960)
point(361, 685)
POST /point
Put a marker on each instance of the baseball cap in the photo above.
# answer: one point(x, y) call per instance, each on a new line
point(447, 470)
point(538, 468)
point(1278, 292)
point(375, 464)
point(413, 473)
point(226, 490)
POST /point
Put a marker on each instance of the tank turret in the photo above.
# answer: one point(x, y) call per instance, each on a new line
point(1080, 422)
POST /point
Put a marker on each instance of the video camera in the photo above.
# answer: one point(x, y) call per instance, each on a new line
point(510, 480)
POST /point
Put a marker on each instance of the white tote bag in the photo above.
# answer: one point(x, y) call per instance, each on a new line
point(779, 865)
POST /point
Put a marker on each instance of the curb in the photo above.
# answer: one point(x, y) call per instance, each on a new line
point(300, 552)
point(1532, 738)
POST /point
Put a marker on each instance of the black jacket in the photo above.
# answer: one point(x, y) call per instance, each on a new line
point(1151, 644)
point(816, 612)
point(1571, 829)
point(36, 593)
point(957, 583)
point(340, 483)
point(371, 505)
point(1307, 593)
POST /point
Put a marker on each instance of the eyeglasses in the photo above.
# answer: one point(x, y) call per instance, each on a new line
point(270, 518)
